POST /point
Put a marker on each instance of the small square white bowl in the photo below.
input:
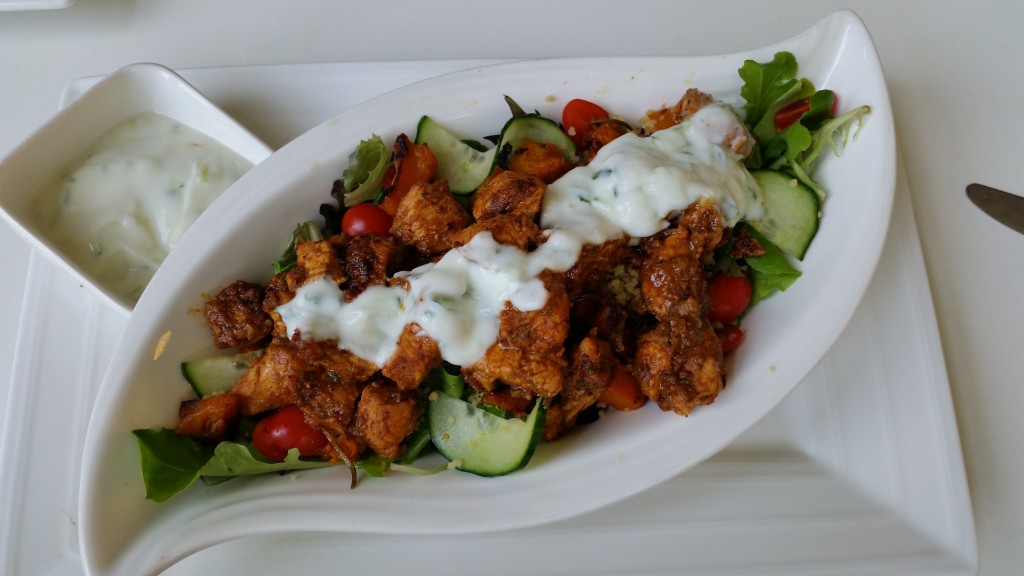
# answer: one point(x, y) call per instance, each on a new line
point(65, 139)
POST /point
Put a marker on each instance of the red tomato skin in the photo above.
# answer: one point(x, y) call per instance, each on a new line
point(729, 297)
point(730, 336)
point(366, 218)
point(792, 112)
point(577, 117)
point(283, 430)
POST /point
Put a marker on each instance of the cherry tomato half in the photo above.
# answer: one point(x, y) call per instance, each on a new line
point(283, 430)
point(731, 336)
point(366, 218)
point(730, 296)
point(577, 117)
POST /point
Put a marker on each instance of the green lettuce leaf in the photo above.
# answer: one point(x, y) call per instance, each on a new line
point(365, 172)
point(833, 133)
point(172, 463)
point(234, 459)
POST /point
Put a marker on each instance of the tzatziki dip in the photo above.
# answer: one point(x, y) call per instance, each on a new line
point(121, 210)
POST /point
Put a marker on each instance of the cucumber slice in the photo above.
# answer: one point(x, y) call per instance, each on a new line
point(538, 129)
point(479, 442)
point(217, 374)
point(791, 212)
point(462, 165)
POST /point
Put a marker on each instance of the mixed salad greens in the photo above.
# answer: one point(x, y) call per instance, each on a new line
point(793, 123)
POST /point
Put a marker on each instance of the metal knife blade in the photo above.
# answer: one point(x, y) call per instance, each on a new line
point(1006, 208)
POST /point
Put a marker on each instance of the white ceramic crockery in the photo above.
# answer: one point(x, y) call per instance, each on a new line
point(620, 455)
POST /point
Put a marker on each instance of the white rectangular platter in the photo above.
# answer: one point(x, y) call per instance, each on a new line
point(859, 471)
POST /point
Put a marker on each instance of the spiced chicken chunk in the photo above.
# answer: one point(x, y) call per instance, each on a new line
point(679, 362)
point(236, 317)
point(509, 192)
point(528, 354)
point(428, 217)
point(385, 416)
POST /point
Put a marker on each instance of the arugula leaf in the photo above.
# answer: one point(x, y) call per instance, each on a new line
point(767, 88)
point(365, 172)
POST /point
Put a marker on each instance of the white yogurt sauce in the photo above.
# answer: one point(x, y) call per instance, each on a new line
point(630, 188)
point(121, 210)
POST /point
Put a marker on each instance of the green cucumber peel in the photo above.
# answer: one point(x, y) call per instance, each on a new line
point(477, 441)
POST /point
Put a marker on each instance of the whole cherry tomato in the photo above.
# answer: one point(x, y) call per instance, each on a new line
point(578, 116)
point(283, 430)
point(366, 218)
point(730, 296)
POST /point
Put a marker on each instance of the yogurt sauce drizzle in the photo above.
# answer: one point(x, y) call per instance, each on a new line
point(122, 209)
point(630, 188)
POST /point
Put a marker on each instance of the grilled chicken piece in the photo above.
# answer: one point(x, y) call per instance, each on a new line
point(541, 331)
point(537, 374)
point(275, 378)
point(544, 161)
point(277, 294)
point(315, 259)
point(385, 415)
point(745, 246)
point(428, 217)
point(416, 355)
point(368, 259)
point(599, 135)
point(272, 380)
point(589, 274)
point(591, 367)
point(329, 405)
point(617, 326)
point(666, 117)
point(672, 278)
point(236, 317)
point(739, 140)
point(210, 418)
point(679, 362)
point(508, 192)
point(529, 351)
point(514, 229)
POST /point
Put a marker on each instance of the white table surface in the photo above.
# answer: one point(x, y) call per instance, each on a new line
point(953, 70)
